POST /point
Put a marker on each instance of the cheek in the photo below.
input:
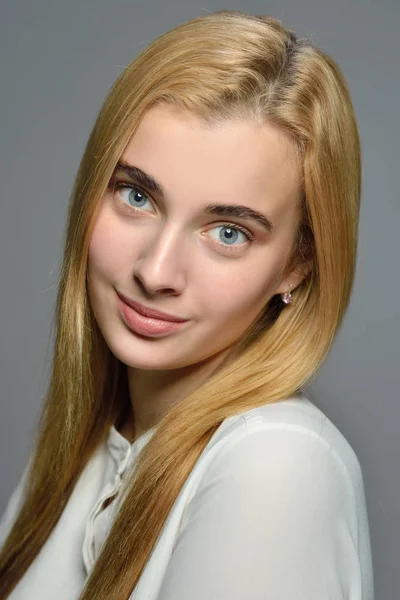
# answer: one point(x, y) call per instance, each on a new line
point(238, 295)
point(107, 250)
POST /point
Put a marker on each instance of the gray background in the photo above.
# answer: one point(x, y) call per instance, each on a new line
point(58, 59)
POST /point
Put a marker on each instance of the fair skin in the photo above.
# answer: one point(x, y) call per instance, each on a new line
point(166, 253)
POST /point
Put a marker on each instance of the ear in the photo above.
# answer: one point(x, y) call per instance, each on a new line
point(293, 278)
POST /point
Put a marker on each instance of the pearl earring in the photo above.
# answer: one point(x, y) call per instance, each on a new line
point(287, 296)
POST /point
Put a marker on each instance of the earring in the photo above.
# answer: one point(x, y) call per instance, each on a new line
point(287, 296)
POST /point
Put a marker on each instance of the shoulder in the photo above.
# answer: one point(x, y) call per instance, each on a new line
point(14, 503)
point(283, 465)
point(277, 504)
point(297, 423)
point(291, 444)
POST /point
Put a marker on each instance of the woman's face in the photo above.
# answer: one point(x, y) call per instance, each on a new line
point(176, 251)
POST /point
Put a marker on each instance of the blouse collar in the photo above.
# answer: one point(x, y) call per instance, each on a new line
point(122, 450)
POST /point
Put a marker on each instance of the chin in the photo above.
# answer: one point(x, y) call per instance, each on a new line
point(134, 353)
point(154, 364)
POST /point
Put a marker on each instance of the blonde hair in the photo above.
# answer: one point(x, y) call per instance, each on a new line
point(218, 66)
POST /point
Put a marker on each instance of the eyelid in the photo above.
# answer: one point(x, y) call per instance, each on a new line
point(117, 184)
point(244, 230)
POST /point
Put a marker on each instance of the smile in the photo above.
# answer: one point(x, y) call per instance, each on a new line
point(146, 325)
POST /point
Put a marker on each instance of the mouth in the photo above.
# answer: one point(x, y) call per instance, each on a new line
point(150, 312)
point(147, 324)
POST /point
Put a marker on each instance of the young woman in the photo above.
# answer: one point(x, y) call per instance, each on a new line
point(209, 260)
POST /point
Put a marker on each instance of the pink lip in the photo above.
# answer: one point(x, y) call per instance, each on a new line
point(145, 325)
point(149, 312)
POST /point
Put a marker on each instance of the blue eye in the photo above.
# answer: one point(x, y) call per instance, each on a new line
point(229, 234)
point(132, 195)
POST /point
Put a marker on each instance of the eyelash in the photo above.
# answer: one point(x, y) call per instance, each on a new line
point(118, 185)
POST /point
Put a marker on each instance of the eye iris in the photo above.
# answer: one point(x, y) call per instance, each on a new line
point(132, 196)
point(230, 235)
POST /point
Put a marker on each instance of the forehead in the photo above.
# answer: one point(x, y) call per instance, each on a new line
point(233, 160)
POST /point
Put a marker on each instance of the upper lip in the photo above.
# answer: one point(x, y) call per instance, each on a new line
point(149, 312)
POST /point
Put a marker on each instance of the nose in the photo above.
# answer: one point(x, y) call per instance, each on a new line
point(160, 269)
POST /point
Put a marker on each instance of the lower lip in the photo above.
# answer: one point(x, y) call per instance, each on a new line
point(145, 325)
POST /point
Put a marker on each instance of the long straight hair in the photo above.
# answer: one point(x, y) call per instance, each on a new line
point(218, 66)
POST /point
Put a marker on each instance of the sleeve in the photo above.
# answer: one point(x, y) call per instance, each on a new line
point(13, 506)
point(272, 519)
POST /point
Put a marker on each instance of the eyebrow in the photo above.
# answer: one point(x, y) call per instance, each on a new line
point(222, 210)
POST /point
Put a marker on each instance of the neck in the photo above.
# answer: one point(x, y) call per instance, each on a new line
point(153, 393)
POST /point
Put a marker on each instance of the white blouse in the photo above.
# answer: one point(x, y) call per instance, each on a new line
point(274, 509)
